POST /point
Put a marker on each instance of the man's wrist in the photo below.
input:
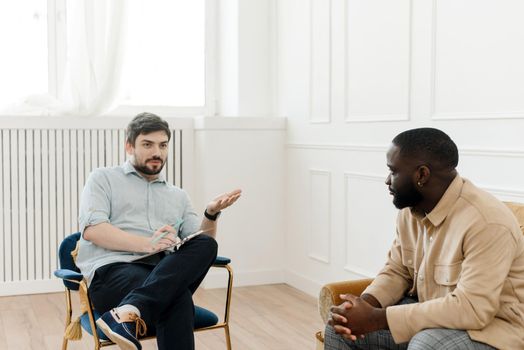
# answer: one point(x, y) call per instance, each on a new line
point(371, 300)
point(380, 318)
point(210, 215)
point(210, 211)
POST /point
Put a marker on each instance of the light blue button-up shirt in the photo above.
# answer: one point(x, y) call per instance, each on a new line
point(122, 197)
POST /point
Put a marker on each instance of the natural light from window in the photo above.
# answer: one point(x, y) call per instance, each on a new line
point(165, 58)
point(163, 65)
point(23, 39)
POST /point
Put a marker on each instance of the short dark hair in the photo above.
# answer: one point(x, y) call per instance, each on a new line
point(145, 123)
point(431, 144)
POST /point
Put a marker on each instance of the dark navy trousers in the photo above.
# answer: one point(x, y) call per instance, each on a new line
point(162, 291)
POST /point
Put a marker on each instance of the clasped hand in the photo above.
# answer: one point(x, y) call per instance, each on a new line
point(355, 317)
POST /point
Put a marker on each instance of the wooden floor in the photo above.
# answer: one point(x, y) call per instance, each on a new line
point(272, 317)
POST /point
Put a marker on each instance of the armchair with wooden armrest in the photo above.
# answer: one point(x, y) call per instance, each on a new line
point(330, 293)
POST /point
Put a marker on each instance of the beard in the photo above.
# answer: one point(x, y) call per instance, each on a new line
point(407, 196)
point(144, 169)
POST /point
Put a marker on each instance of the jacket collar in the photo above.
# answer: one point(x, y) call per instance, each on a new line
point(446, 203)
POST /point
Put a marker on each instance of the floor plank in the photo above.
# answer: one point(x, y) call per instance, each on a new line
point(276, 317)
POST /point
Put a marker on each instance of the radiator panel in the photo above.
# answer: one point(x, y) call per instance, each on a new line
point(42, 176)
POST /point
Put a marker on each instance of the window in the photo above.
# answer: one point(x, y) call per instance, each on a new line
point(24, 59)
point(165, 62)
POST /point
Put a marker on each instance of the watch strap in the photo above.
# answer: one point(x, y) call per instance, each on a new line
point(212, 217)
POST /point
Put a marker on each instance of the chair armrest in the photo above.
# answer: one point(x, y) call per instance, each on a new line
point(221, 261)
point(68, 275)
point(330, 294)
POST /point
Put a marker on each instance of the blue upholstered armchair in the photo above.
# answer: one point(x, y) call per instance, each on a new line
point(74, 281)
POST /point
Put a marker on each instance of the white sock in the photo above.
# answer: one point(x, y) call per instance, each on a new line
point(128, 308)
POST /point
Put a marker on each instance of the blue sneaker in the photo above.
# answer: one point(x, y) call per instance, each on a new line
point(123, 329)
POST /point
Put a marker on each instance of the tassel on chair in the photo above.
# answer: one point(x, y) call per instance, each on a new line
point(74, 330)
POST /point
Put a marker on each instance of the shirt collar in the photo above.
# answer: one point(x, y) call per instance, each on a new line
point(130, 169)
point(446, 203)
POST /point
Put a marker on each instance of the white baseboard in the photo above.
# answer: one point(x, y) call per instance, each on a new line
point(217, 278)
point(31, 287)
point(302, 283)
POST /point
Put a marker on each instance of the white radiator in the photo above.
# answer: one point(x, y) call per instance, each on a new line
point(41, 179)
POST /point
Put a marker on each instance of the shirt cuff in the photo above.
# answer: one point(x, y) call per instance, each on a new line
point(397, 322)
point(94, 218)
point(381, 294)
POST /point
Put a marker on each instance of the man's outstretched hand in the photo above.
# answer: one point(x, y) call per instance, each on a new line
point(223, 201)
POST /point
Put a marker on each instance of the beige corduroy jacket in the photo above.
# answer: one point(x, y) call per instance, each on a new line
point(465, 262)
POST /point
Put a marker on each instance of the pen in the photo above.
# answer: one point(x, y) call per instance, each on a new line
point(176, 226)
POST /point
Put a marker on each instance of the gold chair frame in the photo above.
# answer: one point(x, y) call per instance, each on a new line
point(82, 291)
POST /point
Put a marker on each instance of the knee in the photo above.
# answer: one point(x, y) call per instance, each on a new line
point(208, 244)
point(329, 335)
point(331, 339)
point(428, 339)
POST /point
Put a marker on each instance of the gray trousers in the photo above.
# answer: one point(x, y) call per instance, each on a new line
point(428, 339)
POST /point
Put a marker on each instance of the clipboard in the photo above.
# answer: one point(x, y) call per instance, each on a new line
point(171, 248)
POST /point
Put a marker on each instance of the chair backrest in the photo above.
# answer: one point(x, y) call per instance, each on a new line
point(65, 258)
point(518, 211)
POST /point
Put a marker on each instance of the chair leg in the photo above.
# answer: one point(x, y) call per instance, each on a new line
point(64, 344)
point(228, 305)
point(228, 337)
point(229, 293)
point(85, 293)
point(69, 311)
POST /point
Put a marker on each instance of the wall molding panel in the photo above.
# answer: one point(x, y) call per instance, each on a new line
point(361, 221)
point(506, 194)
point(503, 115)
point(320, 215)
point(477, 152)
point(320, 62)
point(377, 71)
point(486, 152)
point(338, 147)
point(511, 113)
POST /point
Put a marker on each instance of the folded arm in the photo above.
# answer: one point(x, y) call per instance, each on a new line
point(110, 237)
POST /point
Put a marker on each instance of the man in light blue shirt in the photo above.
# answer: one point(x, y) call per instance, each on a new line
point(129, 211)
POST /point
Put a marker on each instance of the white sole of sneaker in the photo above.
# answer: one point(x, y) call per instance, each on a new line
point(116, 338)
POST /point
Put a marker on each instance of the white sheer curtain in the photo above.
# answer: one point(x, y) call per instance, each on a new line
point(95, 51)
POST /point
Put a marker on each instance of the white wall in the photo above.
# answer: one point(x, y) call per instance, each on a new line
point(246, 60)
point(351, 75)
point(348, 76)
point(246, 153)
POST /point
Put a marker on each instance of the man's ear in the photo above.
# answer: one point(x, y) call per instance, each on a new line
point(129, 148)
point(423, 174)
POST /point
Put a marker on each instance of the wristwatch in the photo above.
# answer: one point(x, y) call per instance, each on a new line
point(212, 217)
